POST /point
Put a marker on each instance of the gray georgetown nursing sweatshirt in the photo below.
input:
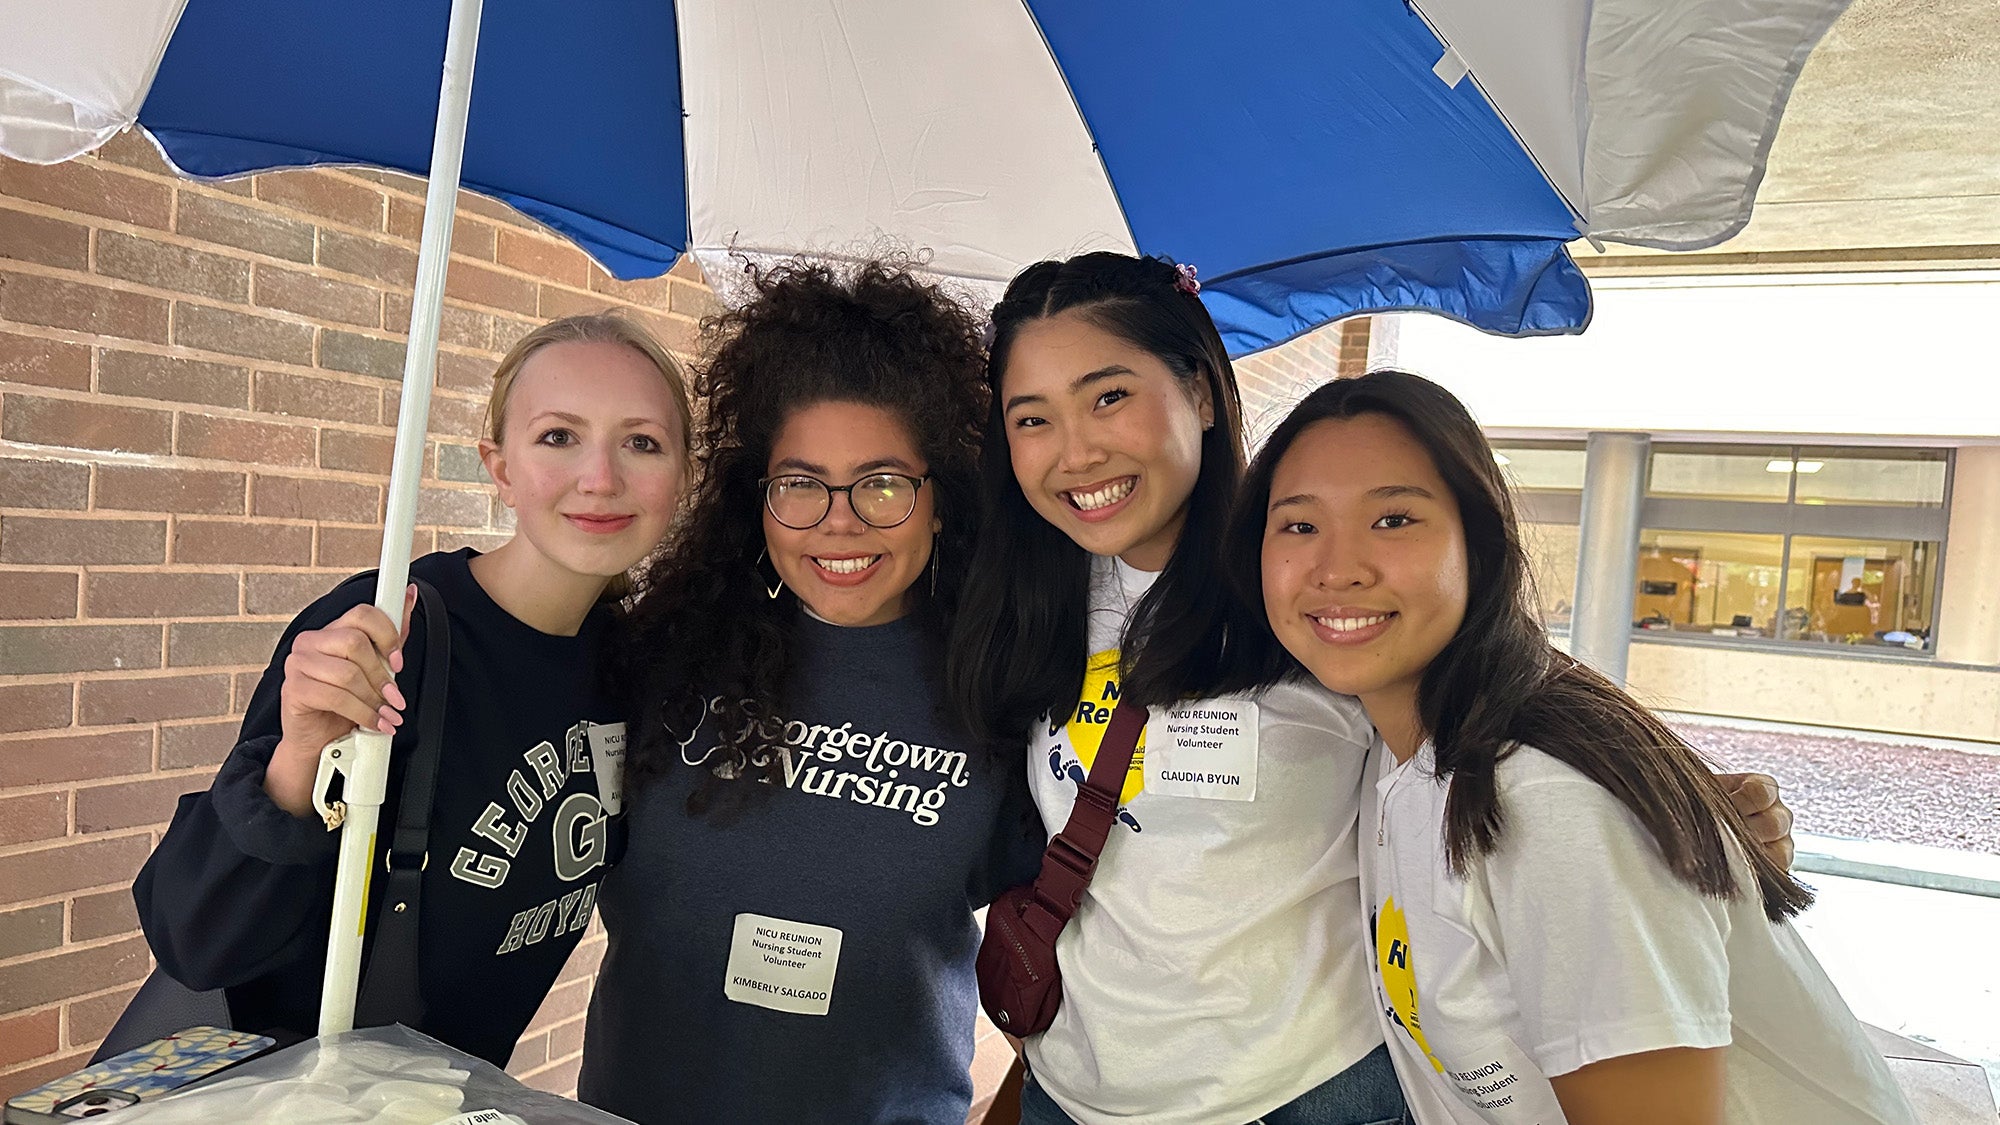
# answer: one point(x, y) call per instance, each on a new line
point(810, 957)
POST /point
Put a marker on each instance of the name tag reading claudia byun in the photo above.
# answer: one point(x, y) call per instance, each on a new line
point(1206, 749)
point(784, 966)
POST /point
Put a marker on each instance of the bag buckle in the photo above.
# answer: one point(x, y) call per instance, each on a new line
point(1066, 874)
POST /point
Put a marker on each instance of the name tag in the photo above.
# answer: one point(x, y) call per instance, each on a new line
point(784, 966)
point(607, 757)
point(1206, 749)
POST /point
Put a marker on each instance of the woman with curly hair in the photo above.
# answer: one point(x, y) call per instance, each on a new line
point(791, 929)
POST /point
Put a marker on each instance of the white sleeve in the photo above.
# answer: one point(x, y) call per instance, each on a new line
point(1607, 952)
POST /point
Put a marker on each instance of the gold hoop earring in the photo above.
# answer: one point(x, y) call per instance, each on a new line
point(772, 591)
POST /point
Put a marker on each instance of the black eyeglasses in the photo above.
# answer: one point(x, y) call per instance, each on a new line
point(881, 500)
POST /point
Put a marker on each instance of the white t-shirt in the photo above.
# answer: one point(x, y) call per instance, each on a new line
point(1572, 943)
point(1218, 967)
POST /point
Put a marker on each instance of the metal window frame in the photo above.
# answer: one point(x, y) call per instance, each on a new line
point(1787, 519)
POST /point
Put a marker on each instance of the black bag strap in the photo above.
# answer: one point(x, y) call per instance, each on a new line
point(1070, 862)
point(389, 986)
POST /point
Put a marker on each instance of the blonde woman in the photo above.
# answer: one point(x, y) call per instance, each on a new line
point(587, 441)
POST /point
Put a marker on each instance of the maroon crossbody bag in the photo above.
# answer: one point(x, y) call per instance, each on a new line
point(1020, 985)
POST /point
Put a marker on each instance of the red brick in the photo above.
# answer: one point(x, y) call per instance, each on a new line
point(481, 541)
point(360, 355)
point(34, 929)
point(459, 463)
point(91, 189)
point(558, 1079)
point(349, 548)
point(334, 400)
point(91, 1019)
point(43, 980)
point(29, 1036)
point(164, 265)
point(48, 759)
point(647, 292)
point(143, 488)
point(246, 228)
point(27, 1078)
point(44, 484)
point(469, 238)
point(243, 442)
point(245, 334)
point(134, 150)
point(62, 541)
point(123, 702)
point(686, 268)
point(31, 595)
point(44, 241)
point(285, 592)
point(566, 1039)
point(296, 498)
point(32, 707)
point(44, 363)
point(247, 542)
point(458, 326)
point(117, 594)
point(108, 912)
point(197, 744)
point(82, 307)
point(678, 334)
point(130, 804)
point(451, 507)
point(317, 297)
point(369, 258)
point(171, 379)
point(33, 816)
point(479, 285)
point(201, 644)
point(544, 258)
point(458, 417)
point(695, 301)
point(318, 193)
point(506, 333)
point(465, 372)
point(86, 425)
point(356, 452)
point(36, 650)
point(532, 1051)
point(556, 302)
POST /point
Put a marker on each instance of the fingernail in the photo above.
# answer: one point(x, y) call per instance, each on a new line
point(396, 661)
point(394, 719)
point(394, 695)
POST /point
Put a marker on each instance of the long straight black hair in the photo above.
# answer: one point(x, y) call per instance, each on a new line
point(1021, 638)
point(1499, 683)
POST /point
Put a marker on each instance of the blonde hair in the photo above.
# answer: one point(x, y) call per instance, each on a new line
point(593, 328)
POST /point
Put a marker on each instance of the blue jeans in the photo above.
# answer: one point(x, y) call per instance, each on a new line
point(1363, 1094)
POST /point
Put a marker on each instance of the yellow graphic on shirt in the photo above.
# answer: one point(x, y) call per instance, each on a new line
point(1399, 980)
point(1087, 723)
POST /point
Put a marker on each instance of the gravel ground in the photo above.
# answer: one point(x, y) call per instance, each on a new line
point(1850, 786)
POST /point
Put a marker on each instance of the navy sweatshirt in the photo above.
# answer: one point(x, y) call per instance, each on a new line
point(810, 959)
point(239, 892)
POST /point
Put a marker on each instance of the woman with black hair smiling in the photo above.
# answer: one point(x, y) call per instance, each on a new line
point(1216, 971)
point(791, 929)
point(1570, 920)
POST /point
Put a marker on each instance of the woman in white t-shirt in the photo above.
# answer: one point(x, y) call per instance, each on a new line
point(1570, 920)
point(1217, 971)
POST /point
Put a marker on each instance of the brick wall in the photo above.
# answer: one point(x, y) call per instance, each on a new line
point(1273, 382)
point(198, 384)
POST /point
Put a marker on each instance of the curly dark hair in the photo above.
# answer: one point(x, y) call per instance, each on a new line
point(702, 626)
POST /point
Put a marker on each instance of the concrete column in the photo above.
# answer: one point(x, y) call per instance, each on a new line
point(1968, 625)
point(1607, 564)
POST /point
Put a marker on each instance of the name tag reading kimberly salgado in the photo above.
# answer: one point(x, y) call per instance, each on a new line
point(1206, 749)
point(781, 965)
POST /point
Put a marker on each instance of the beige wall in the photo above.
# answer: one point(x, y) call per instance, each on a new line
point(1906, 698)
point(1969, 620)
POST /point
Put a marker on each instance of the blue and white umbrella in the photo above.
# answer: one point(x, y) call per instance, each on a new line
point(1314, 158)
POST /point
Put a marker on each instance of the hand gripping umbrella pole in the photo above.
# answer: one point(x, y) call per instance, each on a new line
point(361, 758)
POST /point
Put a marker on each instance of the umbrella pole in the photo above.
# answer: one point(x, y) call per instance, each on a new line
point(362, 758)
